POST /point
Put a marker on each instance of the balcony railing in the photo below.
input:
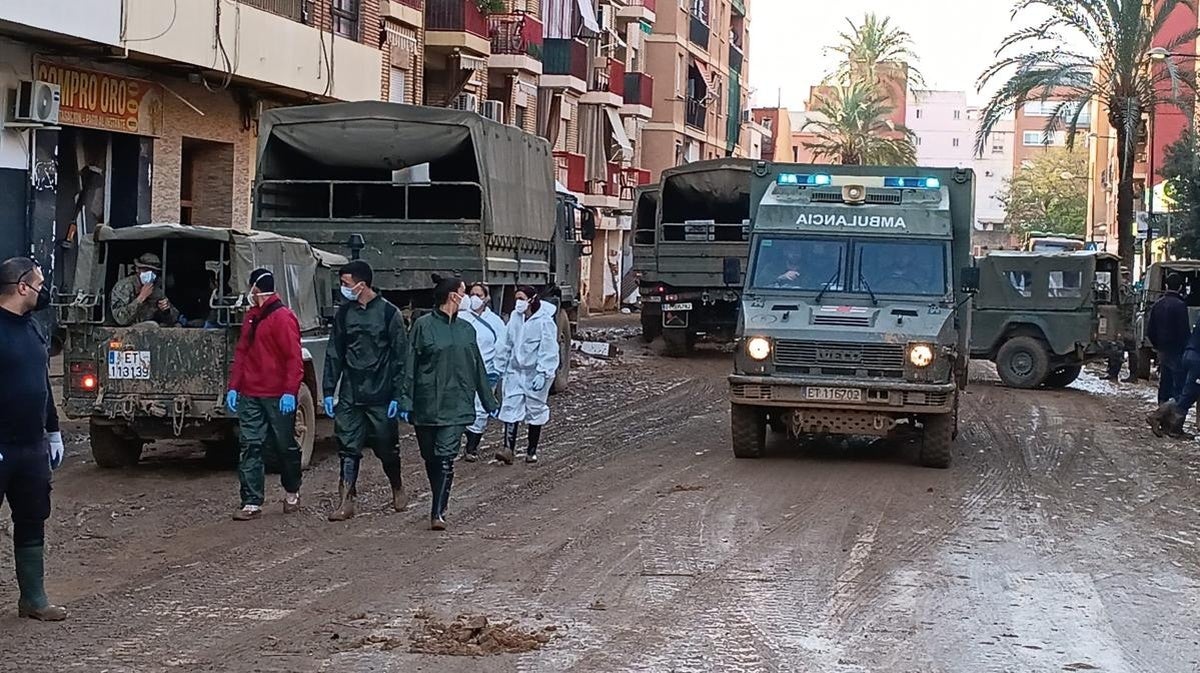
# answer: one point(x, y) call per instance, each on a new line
point(569, 169)
point(565, 57)
point(609, 78)
point(735, 58)
point(696, 114)
point(648, 4)
point(623, 181)
point(415, 4)
point(639, 89)
point(292, 9)
point(457, 16)
point(516, 35)
point(698, 31)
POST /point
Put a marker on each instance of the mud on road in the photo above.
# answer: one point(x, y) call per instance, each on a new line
point(1064, 538)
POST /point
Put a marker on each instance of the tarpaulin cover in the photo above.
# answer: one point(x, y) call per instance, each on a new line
point(515, 169)
point(723, 180)
point(293, 261)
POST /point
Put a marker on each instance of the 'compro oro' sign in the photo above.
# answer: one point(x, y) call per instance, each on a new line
point(102, 100)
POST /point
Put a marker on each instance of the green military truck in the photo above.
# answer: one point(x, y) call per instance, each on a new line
point(1041, 316)
point(692, 263)
point(855, 318)
point(416, 191)
point(147, 381)
point(1155, 281)
point(645, 263)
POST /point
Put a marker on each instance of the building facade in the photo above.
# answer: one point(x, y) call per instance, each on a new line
point(942, 127)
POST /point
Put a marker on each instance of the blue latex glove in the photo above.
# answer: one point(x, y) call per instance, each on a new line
point(287, 404)
point(329, 407)
point(393, 408)
point(404, 416)
point(231, 401)
point(494, 414)
point(539, 382)
point(56, 449)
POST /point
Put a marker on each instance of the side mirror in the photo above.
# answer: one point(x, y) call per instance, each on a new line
point(356, 243)
point(970, 279)
point(587, 225)
point(731, 271)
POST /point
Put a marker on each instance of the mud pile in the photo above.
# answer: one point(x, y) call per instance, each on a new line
point(476, 636)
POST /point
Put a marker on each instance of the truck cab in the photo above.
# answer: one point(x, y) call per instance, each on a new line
point(852, 319)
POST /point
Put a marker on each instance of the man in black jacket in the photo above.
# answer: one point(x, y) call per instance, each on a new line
point(1168, 330)
point(30, 442)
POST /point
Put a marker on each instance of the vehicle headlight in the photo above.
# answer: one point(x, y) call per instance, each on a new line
point(758, 348)
point(920, 355)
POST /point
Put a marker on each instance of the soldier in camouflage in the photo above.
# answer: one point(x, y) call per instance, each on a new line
point(140, 297)
point(1127, 346)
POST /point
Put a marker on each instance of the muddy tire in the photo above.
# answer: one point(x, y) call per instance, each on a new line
point(562, 378)
point(678, 342)
point(1063, 376)
point(112, 450)
point(937, 441)
point(748, 429)
point(1023, 362)
point(651, 326)
point(306, 425)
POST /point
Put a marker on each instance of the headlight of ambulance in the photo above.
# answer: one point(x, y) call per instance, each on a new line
point(920, 355)
point(758, 348)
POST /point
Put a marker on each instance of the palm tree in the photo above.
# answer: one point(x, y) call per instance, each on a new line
point(876, 51)
point(1117, 68)
point(853, 128)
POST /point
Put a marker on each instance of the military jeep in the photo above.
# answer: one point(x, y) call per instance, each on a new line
point(1041, 316)
point(1155, 285)
point(150, 381)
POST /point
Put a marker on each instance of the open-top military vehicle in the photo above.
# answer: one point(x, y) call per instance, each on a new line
point(416, 191)
point(692, 263)
point(1041, 316)
point(855, 316)
point(1154, 286)
point(149, 381)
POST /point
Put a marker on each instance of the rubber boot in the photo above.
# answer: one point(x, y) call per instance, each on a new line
point(399, 495)
point(1177, 431)
point(346, 491)
point(437, 486)
point(33, 604)
point(448, 483)
point(508, 451)
point(472, 452)
point(535, 437)
point(1162, 418)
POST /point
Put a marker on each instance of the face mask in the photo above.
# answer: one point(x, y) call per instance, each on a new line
point(476, 303)
point(147, 277)
point(349, 293)
point(464, 302)
point(522, 306)
point(43, 298)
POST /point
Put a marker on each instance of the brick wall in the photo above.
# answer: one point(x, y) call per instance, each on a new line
point(213, 186)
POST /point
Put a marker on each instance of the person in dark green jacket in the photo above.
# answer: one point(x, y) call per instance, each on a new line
point(367, 351)
point(443, 375)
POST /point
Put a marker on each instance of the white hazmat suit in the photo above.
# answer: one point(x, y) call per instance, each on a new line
point(529, 352)
point(489, 336)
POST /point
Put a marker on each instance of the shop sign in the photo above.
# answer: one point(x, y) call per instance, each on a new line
point(102, 100)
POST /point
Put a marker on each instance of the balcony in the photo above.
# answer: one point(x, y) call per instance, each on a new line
point(639, 95)
point(569, 170)
point(624, 181)
point(607, 85)
point(637, 10)
point(516, 42)
point(291, 9)
point(565, 65)
point(696, 114)
point(409, 12)
point(735, 58)
point(457, 24)
point(698, 31)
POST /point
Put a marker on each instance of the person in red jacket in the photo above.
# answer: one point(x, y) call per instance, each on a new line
point(267, 371)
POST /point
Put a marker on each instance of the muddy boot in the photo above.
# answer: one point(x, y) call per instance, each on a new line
point(472, 453)
point(346, 490)
point(508, 451)
point(535, 437)
point(33, 604)
point(1177, 431)
point(1162, 418)
point(291, 503)
point(448, 483)
point(437, 486)
point(391, 469)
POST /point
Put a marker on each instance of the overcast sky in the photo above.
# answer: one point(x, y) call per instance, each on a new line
point(954, 39)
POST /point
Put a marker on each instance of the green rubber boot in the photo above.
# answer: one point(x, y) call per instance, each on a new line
point(33, 603)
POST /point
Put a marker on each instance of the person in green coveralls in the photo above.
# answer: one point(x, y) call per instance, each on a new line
point(443, 375)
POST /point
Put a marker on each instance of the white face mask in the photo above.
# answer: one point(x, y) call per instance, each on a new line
point(147, 277)
point(476, 303)
point(464, 302)
point(522, 306)
point(349, 293)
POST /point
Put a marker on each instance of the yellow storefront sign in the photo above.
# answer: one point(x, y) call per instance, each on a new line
point(101, 100)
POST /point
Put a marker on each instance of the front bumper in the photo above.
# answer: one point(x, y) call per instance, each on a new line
point(895, 398)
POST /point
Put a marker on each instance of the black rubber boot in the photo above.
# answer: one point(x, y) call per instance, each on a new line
point(346, 490)
point(447, 484)
point(33, 604)
point(472, 452)
point(437, 486)
point(399, 496)
point(535, 437)
point(508, 452)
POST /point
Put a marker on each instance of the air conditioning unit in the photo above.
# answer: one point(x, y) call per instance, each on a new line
point(466, 101)
point(34, 104)
point(494, 110)
point(747, 116)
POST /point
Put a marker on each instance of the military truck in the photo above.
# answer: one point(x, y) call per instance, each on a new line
point(1154, 286)
point(147, 381)
point(645, 263)
point(855, 317)
point(1038, 241)
point(1041, 316)
point(693, 273)
point(416, 191)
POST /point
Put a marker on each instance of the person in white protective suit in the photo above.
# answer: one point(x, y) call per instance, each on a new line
point(528, 362)
point(489, 335)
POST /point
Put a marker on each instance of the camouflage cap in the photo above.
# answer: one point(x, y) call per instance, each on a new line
point(148, 260)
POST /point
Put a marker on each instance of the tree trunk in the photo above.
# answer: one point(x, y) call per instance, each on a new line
point(1126, 234)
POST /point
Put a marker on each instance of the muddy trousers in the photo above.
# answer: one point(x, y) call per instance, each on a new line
point(439, 446)
point(510, 438)
point(25, 485)
point(1171, 376)
point(264, 430)
point(1191, 383)
point(357, 425)
point(1128, 348)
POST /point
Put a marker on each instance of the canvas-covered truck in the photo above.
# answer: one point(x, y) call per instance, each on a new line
point(645, 262)
point(855, 318)
point(1155, 283)
point(416, 191)
point(1041, 316)
point(148, 381)
point(694, 270)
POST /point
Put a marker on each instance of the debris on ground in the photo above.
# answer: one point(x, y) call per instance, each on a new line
point(476, 636)
point(684, 488)
point(610, 334)
point(596, 349)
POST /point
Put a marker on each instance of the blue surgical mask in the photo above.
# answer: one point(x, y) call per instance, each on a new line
point(147, 277)
point(349, 293)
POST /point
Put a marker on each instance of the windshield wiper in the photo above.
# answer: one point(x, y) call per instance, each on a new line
point(829, 283)
point(862, 278)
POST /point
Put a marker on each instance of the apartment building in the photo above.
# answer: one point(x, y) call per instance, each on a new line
point(1036, 130)
point(777, 120)
point(697, 54)
point(942, 128)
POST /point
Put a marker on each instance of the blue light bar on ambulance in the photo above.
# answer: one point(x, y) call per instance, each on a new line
point(818, 180)
point(913, 183)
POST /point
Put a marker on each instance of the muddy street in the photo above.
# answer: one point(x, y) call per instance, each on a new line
point(1064, 538)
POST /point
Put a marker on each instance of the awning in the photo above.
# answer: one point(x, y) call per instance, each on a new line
point(588, 11)
point(619, 135)
point(466, 62)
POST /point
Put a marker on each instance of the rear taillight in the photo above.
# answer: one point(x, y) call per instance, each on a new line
point(81, 377)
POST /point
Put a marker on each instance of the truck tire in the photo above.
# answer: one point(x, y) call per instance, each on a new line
point(1146, 357)
point(679, 342)
point(1023, 362)
point(1063, 376)
point(306, 425)
point(110, 449)
point(562, 378)
point(937, 440)
point(748, 428)
point(651, 327)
